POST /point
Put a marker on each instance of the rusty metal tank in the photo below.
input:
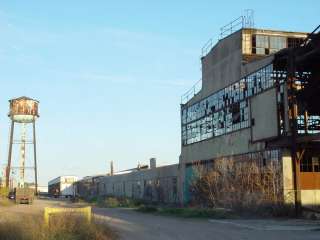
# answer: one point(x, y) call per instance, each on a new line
point(23, 109)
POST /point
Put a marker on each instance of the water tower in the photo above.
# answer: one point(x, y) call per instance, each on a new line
point(23, 111)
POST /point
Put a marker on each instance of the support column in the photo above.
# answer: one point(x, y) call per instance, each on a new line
point(288, 177)
point(8, 168)
point(22, 156)
point(293, 112)
point(35, 157)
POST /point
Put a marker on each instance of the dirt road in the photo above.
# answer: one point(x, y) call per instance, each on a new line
point(139, 226)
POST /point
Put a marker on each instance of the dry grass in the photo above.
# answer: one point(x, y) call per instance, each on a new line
point(116, 202)
point(4, 202)
point(62, 227)
point(215, 213)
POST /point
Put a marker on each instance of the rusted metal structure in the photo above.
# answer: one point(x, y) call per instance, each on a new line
point(23, 111)
point(302, 67)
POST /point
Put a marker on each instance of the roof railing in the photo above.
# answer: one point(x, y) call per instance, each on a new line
point(244, 21)
point(231, 27)
point(191, 92)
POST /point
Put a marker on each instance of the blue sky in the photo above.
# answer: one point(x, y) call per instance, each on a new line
point(109, 75)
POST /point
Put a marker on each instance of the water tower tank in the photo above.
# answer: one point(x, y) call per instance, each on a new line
point(23, 110)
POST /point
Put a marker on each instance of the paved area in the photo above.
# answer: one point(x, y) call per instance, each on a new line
point(140, 226)
point(134, 225)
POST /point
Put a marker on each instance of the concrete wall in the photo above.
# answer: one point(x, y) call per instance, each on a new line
point(264, 113)
point(310, 198)
point(226, 145)
point(222, 65)
point(287, 175)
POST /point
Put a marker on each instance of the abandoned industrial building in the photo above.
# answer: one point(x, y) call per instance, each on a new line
point(258, 102)
point(154, 184)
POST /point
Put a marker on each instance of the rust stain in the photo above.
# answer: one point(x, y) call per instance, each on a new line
point(310, 180)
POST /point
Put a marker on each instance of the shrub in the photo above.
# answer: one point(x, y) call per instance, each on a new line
point(5, 202)
point(113, 202)
point(242, 186)
point(147, 209)
point(92, 199)
point(4, 192)
point(217, 213)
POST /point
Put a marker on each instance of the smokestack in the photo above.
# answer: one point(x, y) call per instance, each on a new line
point(111, 168)
point(153, 163)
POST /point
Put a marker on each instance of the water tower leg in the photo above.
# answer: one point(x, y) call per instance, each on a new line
point(35, 158)
point(8, 169)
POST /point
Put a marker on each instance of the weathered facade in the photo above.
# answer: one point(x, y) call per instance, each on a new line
point(88, 186)
point(257, 102)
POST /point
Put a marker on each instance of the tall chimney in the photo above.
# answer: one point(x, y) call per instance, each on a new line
point(153, 162)
point(111, 168)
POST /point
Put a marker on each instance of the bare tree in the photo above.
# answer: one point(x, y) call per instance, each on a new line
point(236, 184)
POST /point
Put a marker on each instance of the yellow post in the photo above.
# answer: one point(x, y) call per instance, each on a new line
point(46, 215)
point(85, 211)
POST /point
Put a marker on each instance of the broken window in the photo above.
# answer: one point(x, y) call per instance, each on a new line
point(260, 44)
point(310, 164)
point(277, 43)
point(224, 111)
point(228, 121)
point(235, 109)
point(294, 42)
point(264, 45)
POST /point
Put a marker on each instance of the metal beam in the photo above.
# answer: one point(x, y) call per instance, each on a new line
point(8, 168)
point(35, 157)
